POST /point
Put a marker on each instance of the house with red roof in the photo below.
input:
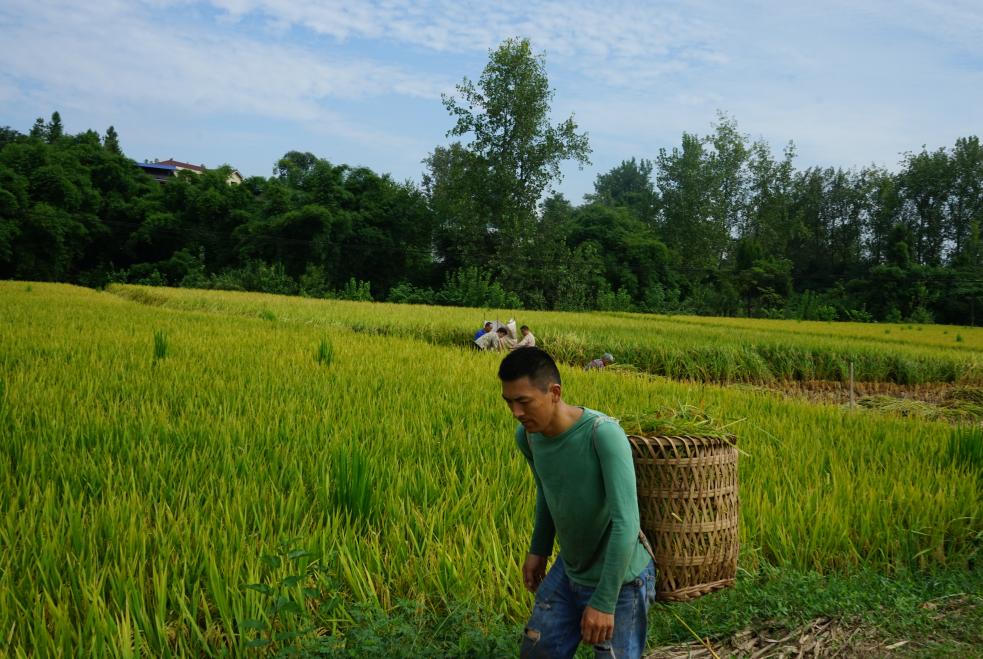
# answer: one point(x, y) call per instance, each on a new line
point(164, 169)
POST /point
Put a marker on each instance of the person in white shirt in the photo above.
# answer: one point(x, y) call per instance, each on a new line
point(527, 340)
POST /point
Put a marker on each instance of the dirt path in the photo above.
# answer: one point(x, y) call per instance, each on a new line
point(825, 391)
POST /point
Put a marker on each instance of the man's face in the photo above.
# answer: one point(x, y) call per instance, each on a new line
point(488, 327)
point(525, 331)
point(530, 405)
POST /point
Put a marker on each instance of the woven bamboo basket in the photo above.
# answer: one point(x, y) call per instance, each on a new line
point(689, 508)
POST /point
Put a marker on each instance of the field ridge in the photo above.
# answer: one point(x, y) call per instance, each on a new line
point(705, 350)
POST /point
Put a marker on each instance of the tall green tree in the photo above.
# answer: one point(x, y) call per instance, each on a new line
point(967, 281)
point(629, 185)
point(8, 135)
point(391, 230)
point(926, 184)
point(727, 159)
point(635, 260)
point(685, 223)
point(455, 184)
point(111, 141)
point(55, 129)
point(39, 130)
point(965, 207)
point(829, 211)
point(763, 281)
point(881, 201)
point(768, 219)
point(506, 114)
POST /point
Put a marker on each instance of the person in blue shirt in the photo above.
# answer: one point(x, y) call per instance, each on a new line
point(484, 330)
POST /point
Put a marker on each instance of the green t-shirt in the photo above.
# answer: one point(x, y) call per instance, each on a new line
point(586, 499)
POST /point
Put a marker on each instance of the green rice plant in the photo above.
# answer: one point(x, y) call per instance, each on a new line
point(352, 483)
point(965, 450)
point(266, 314)
point(160, 345)
point(141, 502)
point(325, 352)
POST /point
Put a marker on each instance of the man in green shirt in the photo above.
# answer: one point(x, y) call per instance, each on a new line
point(602, 582)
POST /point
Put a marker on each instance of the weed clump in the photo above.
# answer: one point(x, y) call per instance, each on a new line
point(352, 484)
point(160, 345)
point(324, 353)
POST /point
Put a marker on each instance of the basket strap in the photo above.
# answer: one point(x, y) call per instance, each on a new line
point(598, 420)
point(647, 545)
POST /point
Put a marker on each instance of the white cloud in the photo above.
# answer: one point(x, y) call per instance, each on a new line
point(639, 39)
point(114, 52)
point(849, 83)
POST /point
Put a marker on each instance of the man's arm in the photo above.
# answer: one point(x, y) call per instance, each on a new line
point(544, 529)
point(541, 545)
point(618, 472)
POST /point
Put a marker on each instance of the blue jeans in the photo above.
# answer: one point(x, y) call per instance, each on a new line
point(553, 630)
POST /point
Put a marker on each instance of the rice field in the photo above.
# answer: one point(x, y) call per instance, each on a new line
point(703, 349)
point(162, 464)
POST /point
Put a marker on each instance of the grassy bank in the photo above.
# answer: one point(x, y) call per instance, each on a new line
point(915, 614)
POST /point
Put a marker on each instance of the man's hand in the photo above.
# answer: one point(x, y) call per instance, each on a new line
point(533, 571)
point(596, 627)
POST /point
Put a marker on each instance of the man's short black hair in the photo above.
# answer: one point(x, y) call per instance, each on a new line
point(502, 330)
point(532, 363)
point(524, 327)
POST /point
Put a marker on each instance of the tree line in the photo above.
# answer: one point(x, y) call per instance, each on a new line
point(718, 224)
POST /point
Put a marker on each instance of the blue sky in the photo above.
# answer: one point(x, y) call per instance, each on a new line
point(244, 81)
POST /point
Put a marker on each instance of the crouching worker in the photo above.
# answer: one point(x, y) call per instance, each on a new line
point(497, 340)
point(485, 329)
point(595, 364)
point(599, 588)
